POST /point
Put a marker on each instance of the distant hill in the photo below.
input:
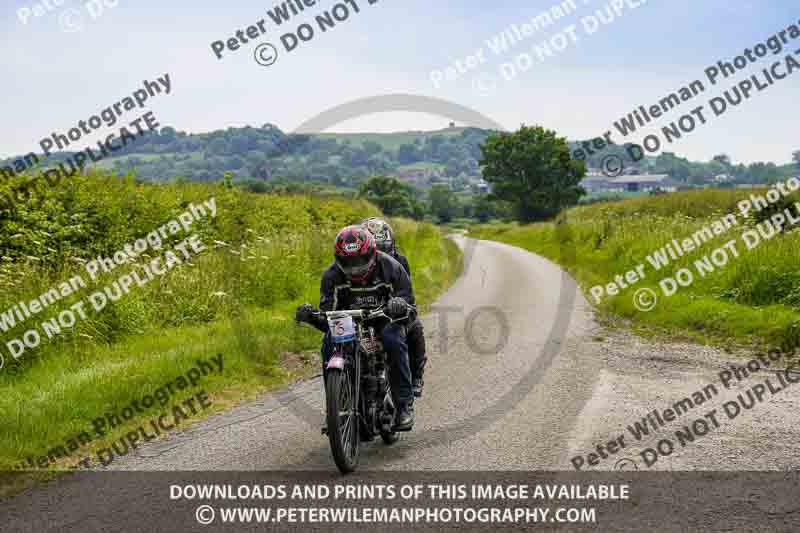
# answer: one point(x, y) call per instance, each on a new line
point(269, 158)
point(267, 154)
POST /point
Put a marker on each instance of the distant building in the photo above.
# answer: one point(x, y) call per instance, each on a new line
point(420, 175)
point(595, 182)
point(483, 187)
point(644, 183)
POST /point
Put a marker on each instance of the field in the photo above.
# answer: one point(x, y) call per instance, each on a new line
point(422, 165)
point(264, 256)
point(389, 141)
point(610, 196)
point(750, 300)
point(108, 164)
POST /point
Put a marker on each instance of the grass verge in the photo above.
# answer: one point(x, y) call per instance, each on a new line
point(752, 300)
point(237, 300)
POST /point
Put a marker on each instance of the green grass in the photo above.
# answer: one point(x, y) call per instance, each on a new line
point(611, 196)
point(753, 300)
point(236, 299)
point(109, 163)
point(435, 262)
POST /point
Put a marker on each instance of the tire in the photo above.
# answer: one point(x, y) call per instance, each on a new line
point(344, 437)
point(389, 437)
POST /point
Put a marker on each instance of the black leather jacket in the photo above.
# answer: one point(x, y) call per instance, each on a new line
point(403, 261)
point(388, 280)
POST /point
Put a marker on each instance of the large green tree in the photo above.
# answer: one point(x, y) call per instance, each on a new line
point(392, 196)
point(533, 171)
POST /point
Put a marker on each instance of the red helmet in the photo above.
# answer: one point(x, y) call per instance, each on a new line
point(356, 253)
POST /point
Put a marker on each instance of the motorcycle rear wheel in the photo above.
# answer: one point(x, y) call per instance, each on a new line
point(389, 437)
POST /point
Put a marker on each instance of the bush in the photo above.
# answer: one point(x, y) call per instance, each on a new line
point(264, 249)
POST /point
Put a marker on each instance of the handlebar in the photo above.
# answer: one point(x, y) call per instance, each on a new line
point(363, 314)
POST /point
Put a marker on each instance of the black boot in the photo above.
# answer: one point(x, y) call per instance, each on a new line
point(417, 356)
point(405, 418)
point(417, 386)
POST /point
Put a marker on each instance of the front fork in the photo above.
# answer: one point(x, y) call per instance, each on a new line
point(388, 408)
point(357, 378)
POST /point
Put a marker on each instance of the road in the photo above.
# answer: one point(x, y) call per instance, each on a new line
point(483, 408)
point(521, 377)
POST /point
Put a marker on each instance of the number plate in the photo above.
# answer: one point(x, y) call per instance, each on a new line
point(336, 362)
point(342, 329)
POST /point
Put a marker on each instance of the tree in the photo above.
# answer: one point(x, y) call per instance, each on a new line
point(239, 143)
point(218, 146)
point(408, 154)
point(377, 165)
point(443, 203)
point(532, 169)
point(723, 159)
point(372, 148)
point(484, 208)
point(677, 167)
point(358, 158)
point(764, 172)
point(392, 196)
point(168, 135)
point(796, 158)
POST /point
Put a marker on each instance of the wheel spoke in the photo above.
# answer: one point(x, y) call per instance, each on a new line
point(347, 426)
point(346, 436)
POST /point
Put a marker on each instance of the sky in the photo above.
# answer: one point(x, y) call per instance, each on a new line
point(76, 58)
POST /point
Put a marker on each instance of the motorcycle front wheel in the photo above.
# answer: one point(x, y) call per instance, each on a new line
point(343, 426)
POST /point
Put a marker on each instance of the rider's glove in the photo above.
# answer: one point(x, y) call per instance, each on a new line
point(396, 307)
point(305, 313)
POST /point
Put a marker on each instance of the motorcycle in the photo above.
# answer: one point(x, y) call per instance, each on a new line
point(358, 397)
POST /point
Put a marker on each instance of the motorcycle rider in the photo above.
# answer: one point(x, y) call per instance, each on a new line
point(384, 238)
point(362, 277)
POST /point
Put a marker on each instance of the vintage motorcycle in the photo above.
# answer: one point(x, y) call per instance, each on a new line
point(358, 397)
